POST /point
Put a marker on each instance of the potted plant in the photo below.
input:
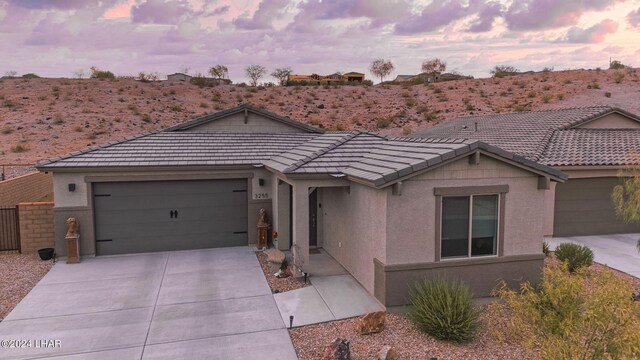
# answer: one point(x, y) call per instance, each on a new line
point(46, 253)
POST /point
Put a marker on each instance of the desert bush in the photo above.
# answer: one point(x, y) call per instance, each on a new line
point(410, 102)
point(30, 76)
point(617, 65)
point(503, 70)
point(19, 148)
point(617, 78)
point(546, 98)
point(576, 256)
point(101, 74)
point(382, 123)
point(560, 96)
point(607, 94)
point(589, 316)
point(7, 130)
point(146, 118)
point(444, 310)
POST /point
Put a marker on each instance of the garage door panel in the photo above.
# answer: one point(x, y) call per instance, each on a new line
point(584, 207)
point(135, 217)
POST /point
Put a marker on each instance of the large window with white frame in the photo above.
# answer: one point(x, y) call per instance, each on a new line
point(469, 226)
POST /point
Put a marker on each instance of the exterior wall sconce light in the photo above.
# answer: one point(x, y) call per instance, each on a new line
point(72, 187)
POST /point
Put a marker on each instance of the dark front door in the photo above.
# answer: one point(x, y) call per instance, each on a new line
point(313, 218)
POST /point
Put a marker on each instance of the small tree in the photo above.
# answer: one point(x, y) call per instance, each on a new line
point(219, 72)
point(616, 65)
point(433, 67)
point(255, 73)
point(11, 74)
point(282, 75)
point(626, 197)
point(79, 74)
point(381, 68)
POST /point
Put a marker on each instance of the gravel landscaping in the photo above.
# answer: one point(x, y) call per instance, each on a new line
point(278, 285)
point(19, 274)
point(409, 343)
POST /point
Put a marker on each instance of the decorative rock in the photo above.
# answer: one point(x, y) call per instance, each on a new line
point(635, 296)
point(371, 323)
point(274, 256)
point(337, 350)
point(387, 353)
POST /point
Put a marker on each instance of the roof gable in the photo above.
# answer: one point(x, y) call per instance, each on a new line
point(240, 117)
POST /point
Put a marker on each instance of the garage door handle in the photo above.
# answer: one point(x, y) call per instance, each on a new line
point(176, 212)
point(171, 214)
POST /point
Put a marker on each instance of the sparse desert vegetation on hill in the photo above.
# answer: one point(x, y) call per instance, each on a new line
point(41, 118)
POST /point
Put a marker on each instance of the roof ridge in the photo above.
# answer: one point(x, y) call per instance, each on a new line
point(95, 148)
point(430, 140)
point(541, 150)
point(539, 111)
point(322, 151)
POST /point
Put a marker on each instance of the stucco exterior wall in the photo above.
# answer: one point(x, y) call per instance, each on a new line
point(79, 202)
point(611, 121)
point(27, 188)
point(255, 124)
point(354, 228)
point(411, 216)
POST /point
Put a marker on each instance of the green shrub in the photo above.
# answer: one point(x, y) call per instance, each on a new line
point(607, 94)
point(382, 123)
point(546, 250)
point(443, 309)
point(576, 256)
point(589, 316)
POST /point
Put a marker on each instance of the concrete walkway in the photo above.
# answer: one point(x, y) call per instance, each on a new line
point(333, 295)
point(617, 251)
point(202, 304)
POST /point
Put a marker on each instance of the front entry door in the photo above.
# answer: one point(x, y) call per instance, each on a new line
point(313, 218)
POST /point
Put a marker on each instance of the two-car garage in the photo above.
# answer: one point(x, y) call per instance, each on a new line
point(148, 216)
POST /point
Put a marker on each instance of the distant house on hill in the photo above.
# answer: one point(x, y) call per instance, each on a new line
point(403, 78)
point(335, 78)
point(179, 77)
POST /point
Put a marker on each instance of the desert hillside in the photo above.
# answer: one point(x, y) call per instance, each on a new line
point(41, 118)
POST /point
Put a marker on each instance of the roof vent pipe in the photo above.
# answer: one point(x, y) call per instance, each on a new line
point(476, 125)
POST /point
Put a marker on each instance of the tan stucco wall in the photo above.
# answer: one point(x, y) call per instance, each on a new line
point(27, 188)
point(611, 121)
point(411, 216)
point(79, 204)
point(255, 124)
point(354, 228)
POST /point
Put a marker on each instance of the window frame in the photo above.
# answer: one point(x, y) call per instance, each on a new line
point(470, 191)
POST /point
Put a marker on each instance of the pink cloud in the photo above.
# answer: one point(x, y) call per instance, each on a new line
point(592, 35)
point(549, 14)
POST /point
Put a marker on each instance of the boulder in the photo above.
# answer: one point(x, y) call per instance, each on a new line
point(274, 256)
point(371, 323)
point(387, 353)
point(337, 350)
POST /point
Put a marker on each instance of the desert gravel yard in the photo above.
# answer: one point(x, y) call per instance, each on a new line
point(19, 273)
point(277, 285)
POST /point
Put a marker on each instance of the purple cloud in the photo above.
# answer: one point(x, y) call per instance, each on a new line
point(434, 16)
point(61, 4)
point(160, 11)
point(268, 11)
point(592, 35)
point(634, 18)
point(549, 14)
point(221, 10)
point(486, 16)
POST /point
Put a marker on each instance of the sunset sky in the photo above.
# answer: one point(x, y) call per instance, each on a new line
point(55, 38)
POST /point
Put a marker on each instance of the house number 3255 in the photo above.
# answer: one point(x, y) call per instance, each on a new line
point(258, 196)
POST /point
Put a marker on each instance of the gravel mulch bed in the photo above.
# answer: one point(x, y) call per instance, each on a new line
point(19, 273)
point(278, 285)
point(409, 342)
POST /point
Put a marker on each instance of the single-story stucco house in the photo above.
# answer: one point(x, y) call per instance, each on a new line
point(590, 144)
point(390, 210)
point(179, 77)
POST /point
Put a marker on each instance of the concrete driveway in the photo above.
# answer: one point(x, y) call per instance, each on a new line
point(617, 251)
point(202, 304)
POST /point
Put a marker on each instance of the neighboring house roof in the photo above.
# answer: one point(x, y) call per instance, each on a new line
point(403, 77)
point(362, 157)
point(537, 135)
point(353, 73)
point(179, 74)
point(240, 108)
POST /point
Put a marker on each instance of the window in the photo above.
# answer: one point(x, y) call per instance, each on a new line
point(469, 226)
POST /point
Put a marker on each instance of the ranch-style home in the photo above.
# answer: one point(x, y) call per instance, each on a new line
point(390, 210)
point(590, 144)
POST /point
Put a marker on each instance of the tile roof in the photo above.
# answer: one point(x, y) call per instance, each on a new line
point(368, 157)
point(536, 134)
point(240, 108)
point(593, 147)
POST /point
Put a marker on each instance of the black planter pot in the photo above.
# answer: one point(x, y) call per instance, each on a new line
point(46, 253)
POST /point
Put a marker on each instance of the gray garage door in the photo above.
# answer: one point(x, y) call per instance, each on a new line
point(584, 207)
point(133, 217)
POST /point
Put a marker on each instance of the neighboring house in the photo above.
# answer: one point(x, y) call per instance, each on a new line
point(591, 145)
point(390, 210)
point(179, 77)
point(327, 79)
point(403, 78)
